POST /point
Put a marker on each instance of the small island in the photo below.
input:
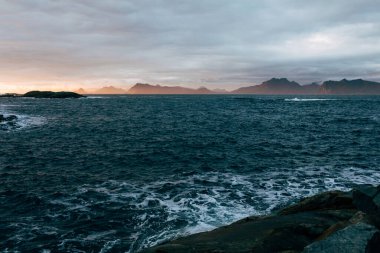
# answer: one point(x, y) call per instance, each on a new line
point(51, 94)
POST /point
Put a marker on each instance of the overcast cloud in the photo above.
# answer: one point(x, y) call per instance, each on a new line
point(215, 43)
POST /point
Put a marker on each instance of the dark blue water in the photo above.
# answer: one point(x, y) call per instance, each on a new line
point(117, 174)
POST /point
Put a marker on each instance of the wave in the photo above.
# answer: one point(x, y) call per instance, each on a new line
point(97, 97)
point(185, 204)
point(4, 106)
point(22, 121)
point(213, 199)
point(308, 99)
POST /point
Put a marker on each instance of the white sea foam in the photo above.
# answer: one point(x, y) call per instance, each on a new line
point(308, 99)
point(22, 121)
point(95, 97)
point(108, 246)
point(208, 200)
point(30, 121)
point(96, 236)
point(5, 106)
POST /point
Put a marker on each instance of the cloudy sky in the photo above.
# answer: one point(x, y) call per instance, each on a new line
point(53, 44)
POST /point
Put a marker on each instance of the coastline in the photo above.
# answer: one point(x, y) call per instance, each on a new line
point(333, 221)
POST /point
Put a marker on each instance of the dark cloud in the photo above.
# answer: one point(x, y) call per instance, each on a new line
point(219, 43)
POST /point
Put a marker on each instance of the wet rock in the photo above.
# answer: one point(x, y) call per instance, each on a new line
point(8, 118)
point(328, 222)
point(352, 239)
point(373, 245)
point(8, 122)
point(367, 199)
point(328, 200)
point(276, 233)
point(358, 217)
point(11, 118)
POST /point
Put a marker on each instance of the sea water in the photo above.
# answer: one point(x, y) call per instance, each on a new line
point(121, 173)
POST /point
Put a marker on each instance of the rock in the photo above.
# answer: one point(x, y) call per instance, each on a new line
point(358, 217)
point(10, 118)
point(328, 222)
point(275, 233)
point(8, 122)
point(328, 200)
point(376, 201)
point(352, 239)
point(366, 198)
point(373, 245)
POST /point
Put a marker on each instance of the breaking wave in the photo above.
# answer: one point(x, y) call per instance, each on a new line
point(187, 204)
point(308, 99)
point(20, 121)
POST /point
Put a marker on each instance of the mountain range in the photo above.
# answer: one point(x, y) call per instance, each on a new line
point(105, 91)
point(274, 86)
point(144, 88)
point(353, 87)
point(279, 86)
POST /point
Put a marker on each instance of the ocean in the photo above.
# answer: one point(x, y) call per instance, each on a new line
point(121, 173)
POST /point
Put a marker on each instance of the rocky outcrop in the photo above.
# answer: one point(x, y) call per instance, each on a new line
point(329, 222)
point(9, 118)
point(51, 94)
point(8, 122)
point(351, 239)
point(373, 245)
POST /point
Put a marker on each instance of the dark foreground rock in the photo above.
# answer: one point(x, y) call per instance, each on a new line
point(51, 94)
point(329, 222)
point(351, 239)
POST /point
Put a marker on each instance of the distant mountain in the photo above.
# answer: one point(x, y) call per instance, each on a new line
point(144, 88)
point(313, 88)
point(221, 91)
point(110, 90)
point(81, 91)
point(350, 87)
point(274, 86)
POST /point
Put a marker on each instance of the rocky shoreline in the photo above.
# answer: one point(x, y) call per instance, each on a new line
point(333, 221)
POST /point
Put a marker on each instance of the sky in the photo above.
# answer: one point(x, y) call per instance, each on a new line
point(64, 45)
